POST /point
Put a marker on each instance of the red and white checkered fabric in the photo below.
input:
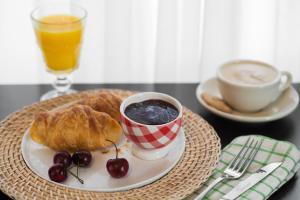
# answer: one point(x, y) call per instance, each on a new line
point(151, 136)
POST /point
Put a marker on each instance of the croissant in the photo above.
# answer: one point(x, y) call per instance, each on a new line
point(103, 102)
point(74, 128)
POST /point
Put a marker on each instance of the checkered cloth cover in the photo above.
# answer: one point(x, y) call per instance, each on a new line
point(270, 151)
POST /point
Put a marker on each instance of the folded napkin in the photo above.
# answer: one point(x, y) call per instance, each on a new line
point(270, 151)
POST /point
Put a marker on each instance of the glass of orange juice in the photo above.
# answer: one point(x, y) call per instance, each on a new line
point(59, 32)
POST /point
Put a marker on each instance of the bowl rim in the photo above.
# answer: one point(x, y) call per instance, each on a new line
point(178, 106)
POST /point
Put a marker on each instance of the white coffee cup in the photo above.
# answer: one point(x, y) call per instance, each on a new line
point(250, 86)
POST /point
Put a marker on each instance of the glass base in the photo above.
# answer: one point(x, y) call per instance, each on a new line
point(54, 93)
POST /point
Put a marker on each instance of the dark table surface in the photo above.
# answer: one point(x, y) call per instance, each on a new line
point(14, 97)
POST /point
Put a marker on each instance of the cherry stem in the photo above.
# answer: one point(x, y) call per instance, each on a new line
point(115, 147)
point(77, 168)
point(76, 176)
point(79, 179)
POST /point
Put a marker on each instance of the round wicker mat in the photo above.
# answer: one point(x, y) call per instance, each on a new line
point(18, 181)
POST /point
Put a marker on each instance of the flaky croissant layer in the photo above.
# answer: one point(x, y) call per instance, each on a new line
point(76, 127)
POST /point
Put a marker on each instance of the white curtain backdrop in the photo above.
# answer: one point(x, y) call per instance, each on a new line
point(158, 40)
point(265, 30)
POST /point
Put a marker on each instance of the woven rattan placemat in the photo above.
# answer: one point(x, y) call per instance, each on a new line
point(18, 181)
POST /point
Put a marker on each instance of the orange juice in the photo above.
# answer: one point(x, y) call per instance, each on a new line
point(59, 37)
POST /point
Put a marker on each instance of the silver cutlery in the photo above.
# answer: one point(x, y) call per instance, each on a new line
point(249, 182)
point(238, 165)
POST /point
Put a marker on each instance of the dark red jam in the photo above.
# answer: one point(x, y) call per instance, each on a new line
point(152, 112)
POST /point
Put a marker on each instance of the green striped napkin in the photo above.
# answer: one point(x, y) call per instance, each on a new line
point(270, 151)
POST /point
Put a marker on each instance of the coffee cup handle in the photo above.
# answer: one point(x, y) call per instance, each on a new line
point(287, 82)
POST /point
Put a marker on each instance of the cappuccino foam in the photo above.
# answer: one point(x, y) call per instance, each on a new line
point(248, 73)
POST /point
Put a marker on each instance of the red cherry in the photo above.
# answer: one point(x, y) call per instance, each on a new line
point(82, 158)
point(63, 158)
point(117, 167)
point(57, 173)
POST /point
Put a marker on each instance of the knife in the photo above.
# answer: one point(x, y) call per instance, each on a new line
point(249, 182)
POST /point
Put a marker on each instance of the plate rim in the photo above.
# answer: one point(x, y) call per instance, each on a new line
point(181, 151)
point(247, 119)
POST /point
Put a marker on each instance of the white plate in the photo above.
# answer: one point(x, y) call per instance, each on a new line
point(141, 172)
point(282, 107)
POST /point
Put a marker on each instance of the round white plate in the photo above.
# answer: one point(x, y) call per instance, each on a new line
point(282, 107)
point(141, 172)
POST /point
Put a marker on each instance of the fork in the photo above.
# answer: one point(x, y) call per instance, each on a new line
point(237, 166)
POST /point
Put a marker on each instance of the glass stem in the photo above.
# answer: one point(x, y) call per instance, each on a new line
point(62, 83)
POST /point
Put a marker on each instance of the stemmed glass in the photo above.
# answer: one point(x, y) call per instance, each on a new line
point(59, 32)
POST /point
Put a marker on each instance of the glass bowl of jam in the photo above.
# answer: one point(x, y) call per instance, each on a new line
point(151, 121)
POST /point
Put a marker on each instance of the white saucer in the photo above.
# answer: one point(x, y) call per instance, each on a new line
point(282, 107)
point(141, 172)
